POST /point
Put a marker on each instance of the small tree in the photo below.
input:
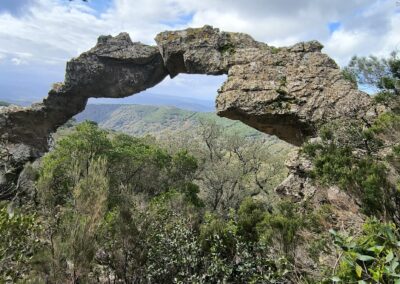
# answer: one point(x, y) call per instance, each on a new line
point(382, 73)
point(72, 230)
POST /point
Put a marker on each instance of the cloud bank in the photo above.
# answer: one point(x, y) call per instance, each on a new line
point(39, 36)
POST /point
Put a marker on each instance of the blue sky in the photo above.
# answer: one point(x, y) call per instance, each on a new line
point(37, 37)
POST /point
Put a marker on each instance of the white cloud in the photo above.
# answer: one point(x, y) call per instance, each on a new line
point(374, 30)
point(17, 58)
point(184, 85)
point(17, 61)
point(366, 26)
point(343, 43)
point(52, 31)
point(56, 30)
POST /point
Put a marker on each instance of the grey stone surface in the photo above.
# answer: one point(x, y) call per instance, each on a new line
point(289, 92)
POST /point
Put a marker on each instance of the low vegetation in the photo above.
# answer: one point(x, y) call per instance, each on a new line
point(111, 206)
point(371, 257)
point(200, 206)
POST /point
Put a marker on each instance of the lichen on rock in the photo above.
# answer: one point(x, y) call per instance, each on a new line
point(289, 92)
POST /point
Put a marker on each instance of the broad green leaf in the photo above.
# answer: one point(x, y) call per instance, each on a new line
point(335, 279)
point(363, 257)
point(389, 256)
point(376, 249)
point(394, 265)
point(395, 275)
point(358, 271)
point(376, 275)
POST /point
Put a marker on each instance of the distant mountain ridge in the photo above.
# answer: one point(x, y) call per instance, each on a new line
point(144, 98)
point(140, 120)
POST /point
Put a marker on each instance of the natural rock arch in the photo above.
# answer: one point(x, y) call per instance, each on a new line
point(289, 92)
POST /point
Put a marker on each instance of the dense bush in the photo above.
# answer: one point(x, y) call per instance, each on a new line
point(347, 157)
point(364, 176)
point(111, 208)
point(371, 257)
point(114, 208)
point(18, 243)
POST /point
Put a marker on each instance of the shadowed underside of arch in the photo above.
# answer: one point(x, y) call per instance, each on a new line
point(289, 92)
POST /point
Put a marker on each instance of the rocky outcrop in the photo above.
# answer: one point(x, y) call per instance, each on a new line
point(289, 92)
point(333, 208)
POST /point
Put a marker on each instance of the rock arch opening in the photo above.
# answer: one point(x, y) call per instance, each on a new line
point(288, 92)
point(186, 91)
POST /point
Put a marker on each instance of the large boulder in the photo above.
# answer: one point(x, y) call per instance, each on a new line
point(288, 92)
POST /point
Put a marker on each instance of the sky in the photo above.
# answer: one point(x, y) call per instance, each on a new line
point(37, 37)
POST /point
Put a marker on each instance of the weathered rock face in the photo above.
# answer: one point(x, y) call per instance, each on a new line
point(205, 50)
point(344, 213)
point(114, 68)
point(289, 92)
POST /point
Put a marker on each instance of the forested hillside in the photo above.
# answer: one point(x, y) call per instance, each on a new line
point(137, 210)
point(141, 120)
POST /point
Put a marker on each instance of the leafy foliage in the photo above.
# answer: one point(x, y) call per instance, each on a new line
point(383, 73)
point(349, 75)
point(336, 163)
point(283, 226)
point(230, 167)
point(18, 243)
point(371, 257)
point(363, 159)
point(234, 254)
point(122, 208)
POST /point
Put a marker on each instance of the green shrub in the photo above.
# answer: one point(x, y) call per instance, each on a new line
point(228, 48)
point(345, 158)
point(232, 255)
point(372, 257)
point(18, 243)
point(383, 97)
point(349, 76)
point(275, 50)
point(250, 214)
point(282, 226)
